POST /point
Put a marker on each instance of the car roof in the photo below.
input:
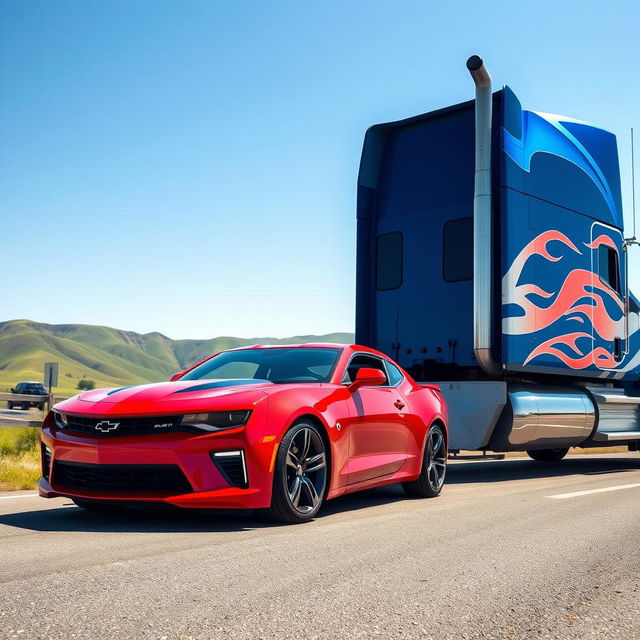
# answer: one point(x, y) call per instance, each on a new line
point(308, 345)
point(312, 345)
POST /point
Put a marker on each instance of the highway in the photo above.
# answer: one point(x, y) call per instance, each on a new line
point(512, 549)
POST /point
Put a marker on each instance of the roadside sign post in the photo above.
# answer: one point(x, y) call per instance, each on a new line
point(50, 379)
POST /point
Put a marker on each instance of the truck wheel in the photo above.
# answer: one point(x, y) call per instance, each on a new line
point(548, 455)
point(25, 406)
point(434, 467)
point(300, 475)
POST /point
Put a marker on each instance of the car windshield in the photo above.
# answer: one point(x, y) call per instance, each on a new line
point(279, 365)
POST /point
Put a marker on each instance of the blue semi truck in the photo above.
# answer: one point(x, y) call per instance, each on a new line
point(491, 259)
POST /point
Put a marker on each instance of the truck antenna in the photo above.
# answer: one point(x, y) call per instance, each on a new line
point(633, 240)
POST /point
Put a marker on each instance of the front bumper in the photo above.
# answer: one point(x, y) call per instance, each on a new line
point(191, 454)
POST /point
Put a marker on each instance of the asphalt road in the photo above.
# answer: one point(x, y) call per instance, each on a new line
point(496, 556)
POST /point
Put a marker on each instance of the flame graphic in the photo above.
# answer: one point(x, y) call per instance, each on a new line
point(581, 295)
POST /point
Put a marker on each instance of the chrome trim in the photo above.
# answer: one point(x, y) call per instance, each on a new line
point(482, 223)
point(544, 417)
point(611, 436)
point(618, 414)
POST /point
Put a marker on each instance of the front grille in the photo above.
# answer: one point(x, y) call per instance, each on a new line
point(232, 466)
point(121, 478)
point(116, 427)
point(46, 461)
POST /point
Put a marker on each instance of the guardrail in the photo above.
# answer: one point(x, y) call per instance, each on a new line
point(22, 420)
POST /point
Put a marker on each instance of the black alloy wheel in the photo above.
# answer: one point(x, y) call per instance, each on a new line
point(300, 475)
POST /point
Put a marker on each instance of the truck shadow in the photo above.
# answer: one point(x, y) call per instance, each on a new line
point(70, 518)
point(510, 469)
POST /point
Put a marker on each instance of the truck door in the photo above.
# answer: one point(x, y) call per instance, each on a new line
point(609, 286)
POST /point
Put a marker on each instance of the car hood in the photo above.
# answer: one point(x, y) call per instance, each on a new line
point(166, 397)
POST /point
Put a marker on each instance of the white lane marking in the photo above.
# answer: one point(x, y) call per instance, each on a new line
point(24, 495)
point(575, 494)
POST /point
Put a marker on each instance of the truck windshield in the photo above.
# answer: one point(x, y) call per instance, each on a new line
point(278, 365)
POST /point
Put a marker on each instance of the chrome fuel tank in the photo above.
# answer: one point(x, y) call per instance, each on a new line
point(538, 417)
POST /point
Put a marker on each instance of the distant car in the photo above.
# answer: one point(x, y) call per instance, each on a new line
point(29, 389)
point(279, 428)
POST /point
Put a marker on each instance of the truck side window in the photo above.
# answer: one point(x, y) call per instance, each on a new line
point(389, 261)
point(457, 250)
point(609, 268)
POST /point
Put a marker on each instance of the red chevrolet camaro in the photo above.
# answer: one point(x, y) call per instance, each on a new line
point(279, 428)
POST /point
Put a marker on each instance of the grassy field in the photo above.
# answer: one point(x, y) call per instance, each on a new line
point(109, 357)
point(19, 458)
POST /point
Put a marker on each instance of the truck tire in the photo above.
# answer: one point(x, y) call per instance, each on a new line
point(548, 455)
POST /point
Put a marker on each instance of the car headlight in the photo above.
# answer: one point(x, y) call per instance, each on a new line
point(215, 421)
point(60, 420)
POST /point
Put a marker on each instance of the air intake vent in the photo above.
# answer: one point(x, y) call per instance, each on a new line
point(46, 461)
point(232, 466)
point(121, 478)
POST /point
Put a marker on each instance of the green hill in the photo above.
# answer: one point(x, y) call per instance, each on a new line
point(110, 357)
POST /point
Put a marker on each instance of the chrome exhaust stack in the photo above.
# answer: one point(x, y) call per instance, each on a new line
point(482, 221)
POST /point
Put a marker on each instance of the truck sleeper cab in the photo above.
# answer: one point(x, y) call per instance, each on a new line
point(492, 260)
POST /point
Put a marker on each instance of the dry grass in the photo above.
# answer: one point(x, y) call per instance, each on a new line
point(19, 458)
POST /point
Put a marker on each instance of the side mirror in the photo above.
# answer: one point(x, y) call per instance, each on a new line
point(13, 390)
point(176, 376)
point(368, 377)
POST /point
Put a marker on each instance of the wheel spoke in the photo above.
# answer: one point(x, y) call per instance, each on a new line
point(433, 476)
point(292, 461)
point(296, 492)
point(437, 443)
point(315, 463)
point(310, 490)
point(306, 443)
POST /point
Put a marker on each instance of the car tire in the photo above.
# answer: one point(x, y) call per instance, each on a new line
point(434, 466)
point(548, 455)
point(41, 407)
point(25, 406)
point(9, 405)
point(95, 505)
point(300, 477)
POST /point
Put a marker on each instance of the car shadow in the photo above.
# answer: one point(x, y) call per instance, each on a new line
point(69, 518)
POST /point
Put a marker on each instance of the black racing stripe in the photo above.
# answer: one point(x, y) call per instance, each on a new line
point(220, 384)
point(110, 393)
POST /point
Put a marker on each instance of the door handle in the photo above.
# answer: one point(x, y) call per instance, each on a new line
point(399, 404)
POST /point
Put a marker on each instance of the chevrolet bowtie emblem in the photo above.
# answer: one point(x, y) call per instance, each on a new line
point(105, 426)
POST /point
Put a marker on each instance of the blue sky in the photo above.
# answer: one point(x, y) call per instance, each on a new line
point(190, 167)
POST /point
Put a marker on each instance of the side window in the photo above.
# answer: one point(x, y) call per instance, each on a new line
point(609, 268)
point(19, 387)
point(389, 261)
point(457, 250)
point(360, 362)
point(395, 375)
